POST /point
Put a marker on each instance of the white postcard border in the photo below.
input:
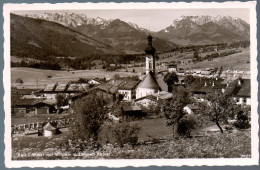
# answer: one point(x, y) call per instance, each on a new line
point(135, 162)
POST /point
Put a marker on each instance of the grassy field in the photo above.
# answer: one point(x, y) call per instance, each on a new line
point(31, 77)
point(238, 61)
point(210, 145)
point(157, 130)
point(27, 119)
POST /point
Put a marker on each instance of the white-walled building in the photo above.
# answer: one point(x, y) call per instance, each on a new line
point(94, 81)
point(148, 86)
point(240, 89)
point(128, 90)
point(172, 68)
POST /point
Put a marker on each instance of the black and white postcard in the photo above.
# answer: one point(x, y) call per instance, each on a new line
point(130, 84)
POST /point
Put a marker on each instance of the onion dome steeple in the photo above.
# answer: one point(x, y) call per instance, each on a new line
point(150, 49)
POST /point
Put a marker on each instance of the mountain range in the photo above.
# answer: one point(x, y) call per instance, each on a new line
point(34, 37)
point(122, 36)
point(190, 30)
point(70, 34)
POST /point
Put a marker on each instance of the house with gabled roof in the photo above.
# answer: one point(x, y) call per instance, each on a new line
point(200, 87)
point(127, 89)
point(95, 81)
point(240, 89)
point(69, 89)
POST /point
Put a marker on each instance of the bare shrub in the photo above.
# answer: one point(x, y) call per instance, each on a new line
point(125, 133)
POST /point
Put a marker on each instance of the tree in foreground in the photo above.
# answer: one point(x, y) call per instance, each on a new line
point(219, 107)
point(61, 100)
point(170, 79)
point(186, 124)
point(89, 116)
point(125, 133)
point(175, 114)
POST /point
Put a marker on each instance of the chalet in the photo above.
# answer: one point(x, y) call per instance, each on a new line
point(133, 111)
point(94, 81)
point(27, 93)
point(200, 87)
point(240, 89)
point(69, 89)
point(45, 107)
point(33, 106)
point(23, 106)
point(181, 72)
point(172, 68)
point(127, 89)
point(108, 91)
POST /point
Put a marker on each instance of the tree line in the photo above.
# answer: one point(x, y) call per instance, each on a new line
point(39, 65)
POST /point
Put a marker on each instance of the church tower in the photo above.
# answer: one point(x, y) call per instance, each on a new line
point(150, 58)
point(149, 84)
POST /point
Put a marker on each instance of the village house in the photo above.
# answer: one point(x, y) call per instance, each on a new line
point(32, 106)
point(172, 68)
point(200, 87)
point(44, 107)
point(26, 93)
point(132, 111)
point(240, 90)
point(69, 89)
point(94, 81)
point(128, 89)
point(108, 91)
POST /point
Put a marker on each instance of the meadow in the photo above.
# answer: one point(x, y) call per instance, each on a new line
point(36, 77)
point(238, 61)
point(236, 144)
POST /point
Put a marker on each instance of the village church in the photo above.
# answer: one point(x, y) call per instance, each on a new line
point(149, 84)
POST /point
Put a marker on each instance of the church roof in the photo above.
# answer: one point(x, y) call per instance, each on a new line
point(150, 82)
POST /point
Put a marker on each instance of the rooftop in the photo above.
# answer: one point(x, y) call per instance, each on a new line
point(149, 81)
point(49, 126)
point(129, 85)
point(241, 90)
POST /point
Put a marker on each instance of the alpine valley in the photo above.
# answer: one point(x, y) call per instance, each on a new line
point(77, 35)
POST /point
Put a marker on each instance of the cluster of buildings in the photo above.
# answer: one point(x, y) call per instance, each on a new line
point(136, 93)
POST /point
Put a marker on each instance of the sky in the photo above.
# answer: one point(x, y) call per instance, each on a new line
point(151, 19)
